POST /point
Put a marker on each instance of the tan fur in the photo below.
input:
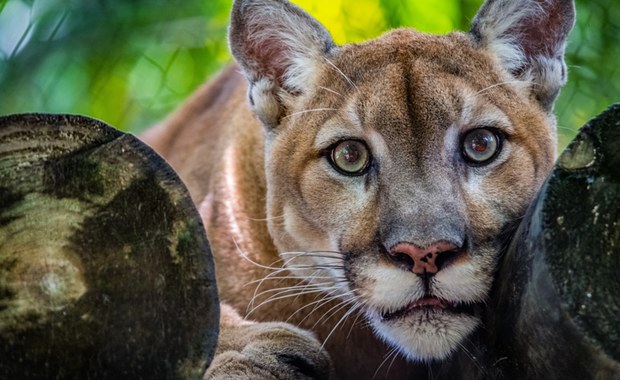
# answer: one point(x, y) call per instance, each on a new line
point(270, 199)
point(249, 350)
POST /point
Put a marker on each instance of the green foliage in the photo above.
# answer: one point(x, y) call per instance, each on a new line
point(131, 62)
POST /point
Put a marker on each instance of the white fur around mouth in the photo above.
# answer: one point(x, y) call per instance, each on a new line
point(428, 303)
point(429, 328)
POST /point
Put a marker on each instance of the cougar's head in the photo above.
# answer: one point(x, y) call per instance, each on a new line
point(394, 165)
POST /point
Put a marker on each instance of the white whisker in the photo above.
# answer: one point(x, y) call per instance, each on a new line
point(470, 356)
point(301, 288)
point(247, 258)
point(499, 84)
point(336, 308)
point(330, 90)
point(330, 296)
point(265, 219)
point(397, 352)
point(312, 110)
point(344, 317)
point(430, 371)
point(310, 266)
point(390, 353)
point(300, 278)
point(286, 289)
point(341, 73)
point(354, 323)
point(318, 303)
point(274, 298)
point(314, 252)
point(273, 274)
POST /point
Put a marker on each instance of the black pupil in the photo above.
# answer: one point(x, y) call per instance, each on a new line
point(351, 153)
point(480, 142)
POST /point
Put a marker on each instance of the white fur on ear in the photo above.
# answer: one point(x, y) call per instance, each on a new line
point(277, 45)
point(529, 38)
point(264, 100)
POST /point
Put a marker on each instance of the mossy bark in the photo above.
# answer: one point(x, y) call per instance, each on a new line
point(555, 311)
point(105, 270)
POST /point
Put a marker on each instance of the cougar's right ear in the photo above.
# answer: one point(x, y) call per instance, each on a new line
point(278, 46)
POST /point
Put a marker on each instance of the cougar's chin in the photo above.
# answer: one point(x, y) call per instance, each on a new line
point(426, 329)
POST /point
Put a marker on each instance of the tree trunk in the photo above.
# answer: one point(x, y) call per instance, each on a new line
point(105, 270)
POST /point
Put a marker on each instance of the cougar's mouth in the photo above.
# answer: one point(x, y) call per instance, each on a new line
point(429, 304)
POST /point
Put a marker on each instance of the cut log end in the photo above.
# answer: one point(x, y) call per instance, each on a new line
point(581, 220)
point(556, 303)
point(104, 265)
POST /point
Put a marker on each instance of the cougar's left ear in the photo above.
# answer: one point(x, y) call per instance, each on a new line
point(278, 46)
point(529, 38)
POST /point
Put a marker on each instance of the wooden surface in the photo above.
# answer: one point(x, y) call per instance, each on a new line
point(555, 312)
point(105, 270)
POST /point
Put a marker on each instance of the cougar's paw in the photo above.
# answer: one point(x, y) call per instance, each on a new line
point(269, 351)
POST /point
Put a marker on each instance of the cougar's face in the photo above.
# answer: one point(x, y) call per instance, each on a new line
point(392, 177)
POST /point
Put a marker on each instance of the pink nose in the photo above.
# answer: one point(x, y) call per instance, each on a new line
point(425, 260)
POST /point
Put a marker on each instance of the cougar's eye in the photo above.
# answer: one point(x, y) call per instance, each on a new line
point(350, 157)
point(481, 145)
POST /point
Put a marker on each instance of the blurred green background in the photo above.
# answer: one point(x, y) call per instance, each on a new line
point(130, 63)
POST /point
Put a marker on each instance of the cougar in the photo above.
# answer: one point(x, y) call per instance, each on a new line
point(355, 196)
